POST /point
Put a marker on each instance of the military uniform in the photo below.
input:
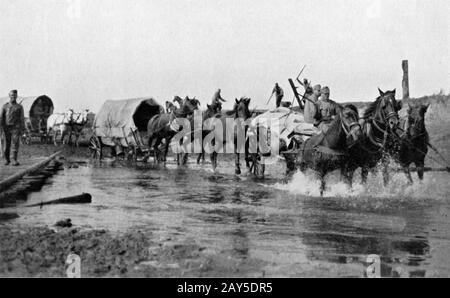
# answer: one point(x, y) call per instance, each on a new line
point(12, 123)
point(327, 109)
point(216, 101)
point(310, 110)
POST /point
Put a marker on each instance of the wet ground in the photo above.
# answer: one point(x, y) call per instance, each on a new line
point(195, 222)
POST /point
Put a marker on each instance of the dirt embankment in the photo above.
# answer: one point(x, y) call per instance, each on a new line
point(43, 252)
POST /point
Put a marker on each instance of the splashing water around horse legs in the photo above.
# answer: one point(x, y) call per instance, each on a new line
point(328, 151)
point(380, 121)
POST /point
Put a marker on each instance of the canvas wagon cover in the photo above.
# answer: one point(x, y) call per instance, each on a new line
point(28, 102)
point(34, 108)
point(286, 122)
point(118, 118)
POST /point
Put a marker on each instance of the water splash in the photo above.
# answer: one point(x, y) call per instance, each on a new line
point(435, 186)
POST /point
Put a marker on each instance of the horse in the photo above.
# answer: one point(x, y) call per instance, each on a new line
point(211, 111)
point(59, 124)
point(328, 151)
point(240, 111)
point(414, 143)
point(380, 120)
point(77, 124)
point(162, 127)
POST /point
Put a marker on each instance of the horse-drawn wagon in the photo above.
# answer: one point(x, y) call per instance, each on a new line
point(122, 126)
point(36, 109)
point(277, 130)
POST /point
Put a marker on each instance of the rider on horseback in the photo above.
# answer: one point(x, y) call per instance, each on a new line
point(216, 101)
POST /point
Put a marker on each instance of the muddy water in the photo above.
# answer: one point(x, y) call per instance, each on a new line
point(284, 228)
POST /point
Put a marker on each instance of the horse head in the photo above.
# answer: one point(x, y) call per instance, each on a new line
point(387, 109)
point(350, 124)
point(189, 106)
point(178, 100)
point(241, 108)
point(84, 116)
point(69, 116)
point(170, 107)
point(415, 126)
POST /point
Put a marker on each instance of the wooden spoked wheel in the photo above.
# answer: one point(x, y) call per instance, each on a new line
point(95, 146)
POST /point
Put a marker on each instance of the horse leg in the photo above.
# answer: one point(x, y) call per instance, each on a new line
point(156, 150)
point(237, 170)
point(63, 134)
point(364, 174)
point(185, 154)
point(322, 183)
point(185, 158)
point(247, 158)
point(147, 155)
point(166, 150)
point(200, 156)
point(55, 134)
point(420, 168)
point(408, 174)
point(385, 163)
point(77, 137)
point(347, 174)
point(213, 157)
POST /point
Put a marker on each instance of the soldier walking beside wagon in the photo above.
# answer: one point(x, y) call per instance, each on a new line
point(12, 124)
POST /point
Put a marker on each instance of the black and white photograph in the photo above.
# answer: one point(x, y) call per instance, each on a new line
point(201, 140)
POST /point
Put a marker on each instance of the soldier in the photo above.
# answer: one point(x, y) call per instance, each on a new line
point(216, 101)
point(310, 110)
point(327, 110)
point(12, 124)
point(278, 94)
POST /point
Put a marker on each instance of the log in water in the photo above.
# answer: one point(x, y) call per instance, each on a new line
point(83, 198)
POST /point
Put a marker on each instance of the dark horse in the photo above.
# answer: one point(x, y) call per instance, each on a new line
point(212, 111)
point(380, 122)
point(414, 143)
point(241, 113)
point(160, 126)
point(328, 151)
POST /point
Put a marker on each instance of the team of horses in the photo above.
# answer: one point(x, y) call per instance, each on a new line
point(66, 125)
point(351, 142)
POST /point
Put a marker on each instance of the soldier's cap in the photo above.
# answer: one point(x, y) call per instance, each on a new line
point(325, 90)
point(13, 91)
point(317, 87)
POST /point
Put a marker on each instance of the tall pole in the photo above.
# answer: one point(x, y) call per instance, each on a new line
point(405, 81)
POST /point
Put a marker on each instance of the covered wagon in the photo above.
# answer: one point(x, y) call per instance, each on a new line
point(278, 131)
point(36, 109)
point(122, 126)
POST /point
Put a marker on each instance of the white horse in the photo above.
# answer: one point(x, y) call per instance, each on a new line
point(77, 124)
point(66, 124)
point(59, 123)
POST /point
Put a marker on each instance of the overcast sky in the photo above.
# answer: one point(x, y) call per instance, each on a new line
point(81, 53)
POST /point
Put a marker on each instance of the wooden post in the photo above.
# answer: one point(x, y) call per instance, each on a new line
point(405, 81)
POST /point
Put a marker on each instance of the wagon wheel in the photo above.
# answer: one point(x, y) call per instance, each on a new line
point(95, 146)
point(257, 167)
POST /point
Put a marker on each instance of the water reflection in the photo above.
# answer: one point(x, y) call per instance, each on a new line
point(291, 234)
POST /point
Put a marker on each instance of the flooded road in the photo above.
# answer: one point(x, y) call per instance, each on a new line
point(274, 228)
